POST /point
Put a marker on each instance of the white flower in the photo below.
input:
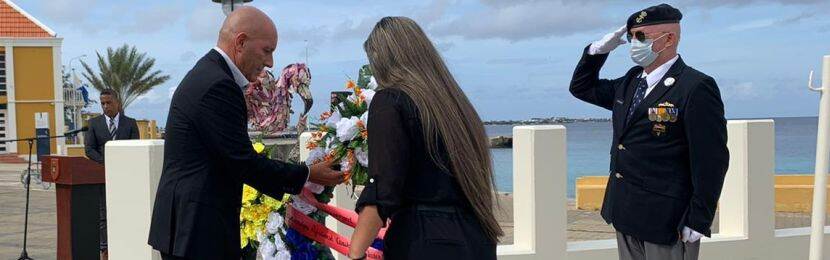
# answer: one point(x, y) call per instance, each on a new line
point(261, 236)
point(368, 94)
point(314, 187)
point(352, 98)
point(345, 165)
point(267, 249)
point(365, 119)
point(329, 144)
point(303, 206)
point(335, 117)
point(274, 223)
point(362, 156)
point(283, 255)
point(373, 84)
point(347, 129)
point(315, 155)
point(279, 244)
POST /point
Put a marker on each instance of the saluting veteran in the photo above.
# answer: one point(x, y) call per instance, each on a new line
point(668, 155)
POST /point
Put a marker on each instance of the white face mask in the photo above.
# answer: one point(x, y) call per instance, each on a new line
point(641, 52)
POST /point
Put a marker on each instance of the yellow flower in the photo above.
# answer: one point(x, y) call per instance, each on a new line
point(247, 233)
point(273, 204)
point(259, 147)
point(243, 239)
point(249, 194)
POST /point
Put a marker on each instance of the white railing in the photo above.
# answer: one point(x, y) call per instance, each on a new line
point(747, 219)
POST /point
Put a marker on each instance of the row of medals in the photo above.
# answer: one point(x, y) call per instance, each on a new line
point(664, 112)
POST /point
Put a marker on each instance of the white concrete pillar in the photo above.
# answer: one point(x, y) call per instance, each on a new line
point(747, 204)
point(540, 176)
point(133, 169)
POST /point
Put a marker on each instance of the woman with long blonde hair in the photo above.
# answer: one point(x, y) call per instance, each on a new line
point(429, 159)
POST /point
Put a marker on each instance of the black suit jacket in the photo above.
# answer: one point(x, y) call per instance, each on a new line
point(98, 135)
point(207, 157)
point(660, 181)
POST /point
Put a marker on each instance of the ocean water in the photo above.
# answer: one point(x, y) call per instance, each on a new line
point(589, 144)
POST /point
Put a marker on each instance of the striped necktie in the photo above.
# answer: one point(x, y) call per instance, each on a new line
point(639, 95)
point(112, 128)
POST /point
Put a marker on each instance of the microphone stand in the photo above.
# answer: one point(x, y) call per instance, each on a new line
point(30, 141)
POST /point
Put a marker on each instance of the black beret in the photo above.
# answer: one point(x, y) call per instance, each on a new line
point(658, 14)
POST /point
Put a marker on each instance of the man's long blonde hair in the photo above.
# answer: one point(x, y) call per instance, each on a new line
point(402, 57)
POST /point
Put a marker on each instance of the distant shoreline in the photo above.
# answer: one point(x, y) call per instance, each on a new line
point(566, 120)
point(545, 121)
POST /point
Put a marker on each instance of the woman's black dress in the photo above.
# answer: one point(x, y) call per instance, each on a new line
point(431, 217)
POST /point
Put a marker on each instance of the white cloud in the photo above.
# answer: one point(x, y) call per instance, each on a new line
point(153, 19)
point(204, 23)
point(431, 13)
point(756, 24)
point(527, 19)
point(155, 96)
point(744, 90)
point(741, 3)
point(187, 57)
point(68, 11)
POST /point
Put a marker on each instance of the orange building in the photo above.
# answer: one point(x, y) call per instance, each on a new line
point(30, 78)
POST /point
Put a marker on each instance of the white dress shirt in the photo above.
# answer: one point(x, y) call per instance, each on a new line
point(657, 74)
point(238, 77)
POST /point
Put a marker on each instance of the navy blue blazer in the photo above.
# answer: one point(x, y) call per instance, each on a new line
point(669, 160)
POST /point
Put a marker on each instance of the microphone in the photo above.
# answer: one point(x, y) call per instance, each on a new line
point(73, 132)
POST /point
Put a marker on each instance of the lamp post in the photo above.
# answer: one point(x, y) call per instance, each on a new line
point(73, 59)
point(229, 6)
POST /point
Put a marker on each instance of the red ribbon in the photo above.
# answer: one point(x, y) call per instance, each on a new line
point(319, 233)
point(345, 216)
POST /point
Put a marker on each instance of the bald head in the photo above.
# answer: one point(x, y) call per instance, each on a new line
point(249, 37)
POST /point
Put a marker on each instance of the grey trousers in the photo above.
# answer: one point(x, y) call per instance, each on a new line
point(630, 248)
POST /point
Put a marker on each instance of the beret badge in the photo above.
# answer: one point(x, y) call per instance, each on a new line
point(641, 17)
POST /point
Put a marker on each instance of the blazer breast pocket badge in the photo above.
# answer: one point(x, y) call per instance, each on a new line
point(665, 112)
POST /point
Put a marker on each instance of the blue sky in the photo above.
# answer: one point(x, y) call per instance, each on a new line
point(513, 58)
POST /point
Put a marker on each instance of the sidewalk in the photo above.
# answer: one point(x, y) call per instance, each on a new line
point(42, 228)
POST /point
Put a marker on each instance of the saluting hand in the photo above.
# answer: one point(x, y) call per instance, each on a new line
point(608, 43)
point(322, 173)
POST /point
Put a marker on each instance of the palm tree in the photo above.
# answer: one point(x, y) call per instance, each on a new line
point(126, 72)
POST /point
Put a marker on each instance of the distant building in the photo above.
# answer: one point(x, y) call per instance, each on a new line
point(30, 77)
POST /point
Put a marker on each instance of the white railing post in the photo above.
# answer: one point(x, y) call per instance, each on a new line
point(822, 165)
point(747, 202)
point(539, 194)
point(133, 169)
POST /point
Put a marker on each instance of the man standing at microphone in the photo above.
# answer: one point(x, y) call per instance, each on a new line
point(668, 155)
point(112, 125)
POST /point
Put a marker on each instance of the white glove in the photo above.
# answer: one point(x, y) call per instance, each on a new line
point(608, 43)
point(690, 236)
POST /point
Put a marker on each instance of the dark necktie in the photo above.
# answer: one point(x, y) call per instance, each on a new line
point(112, 128)
point(639, 95)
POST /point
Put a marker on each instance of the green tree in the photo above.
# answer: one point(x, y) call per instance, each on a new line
point(126, 71)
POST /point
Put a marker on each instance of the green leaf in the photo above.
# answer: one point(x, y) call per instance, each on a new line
point(364, 76)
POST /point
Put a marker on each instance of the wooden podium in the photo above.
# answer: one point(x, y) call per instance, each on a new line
point(79, 183)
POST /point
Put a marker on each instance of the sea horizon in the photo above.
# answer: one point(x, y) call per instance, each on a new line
point(589, 143)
